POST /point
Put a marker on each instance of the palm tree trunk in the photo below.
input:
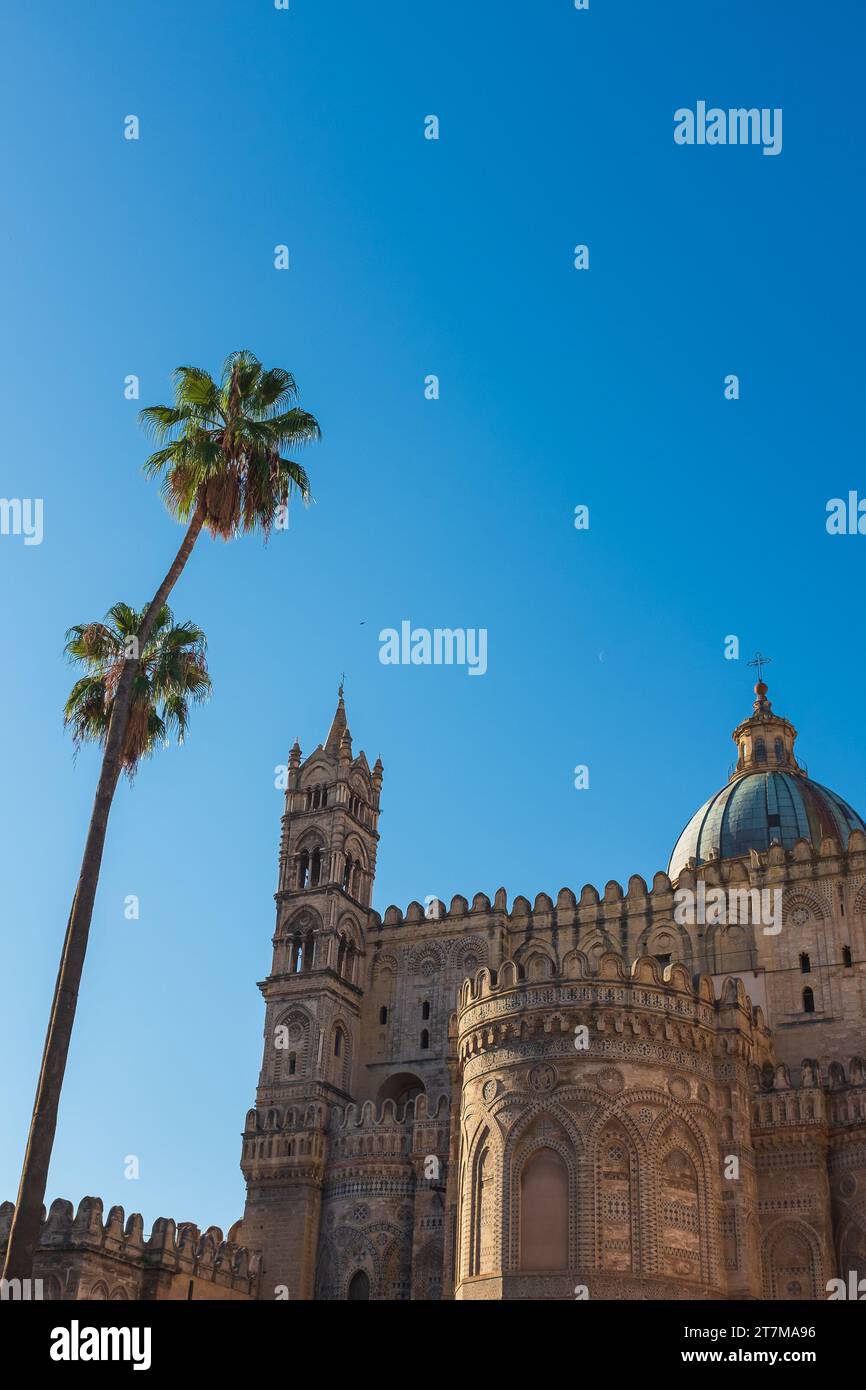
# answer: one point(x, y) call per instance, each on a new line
point(26, 1223)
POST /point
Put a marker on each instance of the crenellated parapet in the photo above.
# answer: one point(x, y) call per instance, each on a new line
point(776, 865)
point(370, 1118)
point(285, 1142)
point(830, 1095)
point(609, 1008)
point(82, 1255)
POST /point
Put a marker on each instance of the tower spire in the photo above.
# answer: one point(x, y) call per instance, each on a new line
point(339, 725)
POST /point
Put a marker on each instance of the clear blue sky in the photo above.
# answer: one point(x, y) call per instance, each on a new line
point(411, 257)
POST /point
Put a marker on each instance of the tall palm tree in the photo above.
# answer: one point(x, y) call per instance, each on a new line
point(223, 469)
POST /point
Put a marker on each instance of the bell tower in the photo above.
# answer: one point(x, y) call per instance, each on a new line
point(313, 997)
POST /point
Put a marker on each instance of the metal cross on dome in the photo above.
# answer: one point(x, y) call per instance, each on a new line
point(760, 661)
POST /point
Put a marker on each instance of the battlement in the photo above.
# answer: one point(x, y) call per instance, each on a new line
point(639, 1008)
point(369, 1117)
point(747, 869)
point(291, 1118)
point(815, 1096)
point(812, 1075)
point(614, 968)
point(174, 1248)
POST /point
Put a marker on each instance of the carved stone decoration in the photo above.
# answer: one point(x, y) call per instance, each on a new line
point(610, 1080)
point(543, 1077)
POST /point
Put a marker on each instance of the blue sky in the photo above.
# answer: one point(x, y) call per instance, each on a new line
point(558, 387)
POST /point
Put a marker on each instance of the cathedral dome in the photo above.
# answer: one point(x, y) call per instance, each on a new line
point(768, 799)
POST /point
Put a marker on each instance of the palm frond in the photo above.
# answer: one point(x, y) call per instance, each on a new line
point(170, 675)
point(159, 420)
point(223, 445)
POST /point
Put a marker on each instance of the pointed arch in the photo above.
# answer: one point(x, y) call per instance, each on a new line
point(544, 1210)
point(616, 1199)
point(668, 942)
point(545, 1125)
point(791, 1261)
point(482, 1209)
point(594, 945)
point(341, 1058)
point(537, 959)
point(290, 1047)
point(359, 1286)
point(682, 1200)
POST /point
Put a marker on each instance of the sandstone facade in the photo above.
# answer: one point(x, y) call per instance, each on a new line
point(521, 1101)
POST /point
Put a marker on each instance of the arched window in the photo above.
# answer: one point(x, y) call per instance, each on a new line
point(297, 955)
point(347, 874)
point(359, 1286)
point(544, 1212)
point(805, 963)
point(780, 751)
point(425, 1040)
point(847, 958)
point(315, 868)
point(383, 1014)
point(483, 1216)
point(341, 1072)
point(760, 750)
point(293, 1063)
point(303, 869)
point(808, 1001)
point(425, 1009)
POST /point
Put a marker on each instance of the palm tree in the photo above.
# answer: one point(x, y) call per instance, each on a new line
point(172, 673)
point(223, 469)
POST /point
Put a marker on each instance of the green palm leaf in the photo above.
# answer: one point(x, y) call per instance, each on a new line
point(222, 445)
point(171, 675)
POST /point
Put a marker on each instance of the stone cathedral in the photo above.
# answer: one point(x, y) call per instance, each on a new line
point(604, 1096)
point(579, 1097)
